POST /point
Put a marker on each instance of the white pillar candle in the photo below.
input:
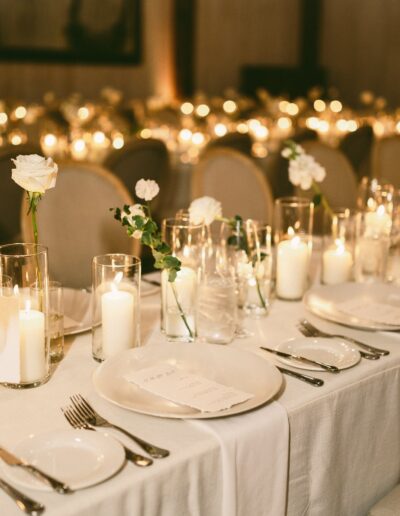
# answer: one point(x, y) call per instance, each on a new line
point(118, 321)
point(32, 341)
point(378, 222)
point(291, 268)
point(336, 265)
point(185, 288)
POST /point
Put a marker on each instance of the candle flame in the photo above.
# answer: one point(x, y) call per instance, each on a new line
point(339, 246)
point(290, 231)
point(27, 305)
point(295, 241)
point(381, 210)
point(116, 281)
point(16, 290)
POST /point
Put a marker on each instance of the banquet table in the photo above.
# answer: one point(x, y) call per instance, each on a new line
point(343, 450)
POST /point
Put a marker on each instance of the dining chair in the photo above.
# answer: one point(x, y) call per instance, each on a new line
point(386, 159)
point(357, 147)
point(340, 183)
point(11, 193)
point(142, 158)
point(236, 181)
point(75, 222)
point(236, 141)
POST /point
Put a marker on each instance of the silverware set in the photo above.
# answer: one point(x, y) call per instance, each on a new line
point(309, 330)
point(80, 415)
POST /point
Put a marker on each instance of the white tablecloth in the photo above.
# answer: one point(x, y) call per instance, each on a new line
point(344, 437)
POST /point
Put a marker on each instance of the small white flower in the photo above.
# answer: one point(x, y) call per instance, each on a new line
point(134, 210)
point(146, 189)
point(34, 173)
point(319, 173)
point(137, 234)
point(287, 152)
point(204, 210)
point(303, 170)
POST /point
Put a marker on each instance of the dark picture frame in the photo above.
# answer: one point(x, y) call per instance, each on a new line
point(76, 42)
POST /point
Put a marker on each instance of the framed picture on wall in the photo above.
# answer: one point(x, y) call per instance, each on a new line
point(74, 31)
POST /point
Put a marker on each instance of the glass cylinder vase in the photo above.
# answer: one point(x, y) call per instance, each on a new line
point(115, 304)
point(24, 350)
point(338, 246)
point(293, 241)
point(179, 296)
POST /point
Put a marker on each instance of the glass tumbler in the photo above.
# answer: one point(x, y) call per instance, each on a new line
point(115, 304)
point(293, 241)
point(178, 297)
point(216, 298)
point(24, 315)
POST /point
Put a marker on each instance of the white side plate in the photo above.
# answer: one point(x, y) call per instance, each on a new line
point(77, 457)
point(334, 352)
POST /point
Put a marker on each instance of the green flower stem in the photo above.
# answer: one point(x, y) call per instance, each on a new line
point(324, 202)
point(263, 304)
point(181, 311)
point(35, 228)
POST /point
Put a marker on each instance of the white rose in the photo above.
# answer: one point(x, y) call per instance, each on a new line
point(146, 189)
point(204, 210)
point(34, 173)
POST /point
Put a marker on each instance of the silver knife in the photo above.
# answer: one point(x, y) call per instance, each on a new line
point(12, 460)
point(327, 367)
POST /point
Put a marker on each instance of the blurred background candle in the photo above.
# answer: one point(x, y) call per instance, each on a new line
point(291, 268)
point(378, 222)
point(293, 239)
point(32, 344)
point(337, 264)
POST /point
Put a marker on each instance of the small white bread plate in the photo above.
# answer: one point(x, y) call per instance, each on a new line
point(334, 352)
point(325, 300)
point(226, 365)
point(77, 457)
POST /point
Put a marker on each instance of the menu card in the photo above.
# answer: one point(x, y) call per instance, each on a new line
point(372, 311)
point(188, 389)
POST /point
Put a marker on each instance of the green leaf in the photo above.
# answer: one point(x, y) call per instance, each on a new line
point(172, 275)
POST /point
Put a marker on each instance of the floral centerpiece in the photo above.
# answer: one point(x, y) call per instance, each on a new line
point(139, 224)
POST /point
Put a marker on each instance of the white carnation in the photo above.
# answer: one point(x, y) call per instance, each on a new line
point(34, 173)
point(204, 210)
point(146, 189)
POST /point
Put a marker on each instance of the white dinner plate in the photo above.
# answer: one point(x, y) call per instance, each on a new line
point(226, 365)
point(334, 352)
point(324, 301)
point(77, 457)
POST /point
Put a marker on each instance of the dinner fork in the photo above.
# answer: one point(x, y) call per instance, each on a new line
point(308, 332)
point(320, 333)
point(88, 413)
point(77, 422)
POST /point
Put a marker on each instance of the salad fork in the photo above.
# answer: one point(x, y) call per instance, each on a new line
point(308, 332)
point(90, 416)
point(320, 333)
point(76, 422)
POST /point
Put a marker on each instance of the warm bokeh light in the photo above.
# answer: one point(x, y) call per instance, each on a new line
point(319, 105)
point(352, 126)
point(292, 109)
point(312, 122)
point(118, 141)
point(242, 128)
point(3, 118)
point(202, 110)
point(198, 138)
point(284, 122)
point(220, 130)
point(229, 106)
point(99, 138)
point(336, 106)
point(20, 112)
point(50, 140)
point(145, 133)
point(283, 104)
point(185, 135)
point(83, 113)
point(187, 108)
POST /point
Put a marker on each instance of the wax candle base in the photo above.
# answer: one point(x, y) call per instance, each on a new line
point(26, 385)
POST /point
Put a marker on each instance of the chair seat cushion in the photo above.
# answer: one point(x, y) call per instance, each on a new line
point(389, 505)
